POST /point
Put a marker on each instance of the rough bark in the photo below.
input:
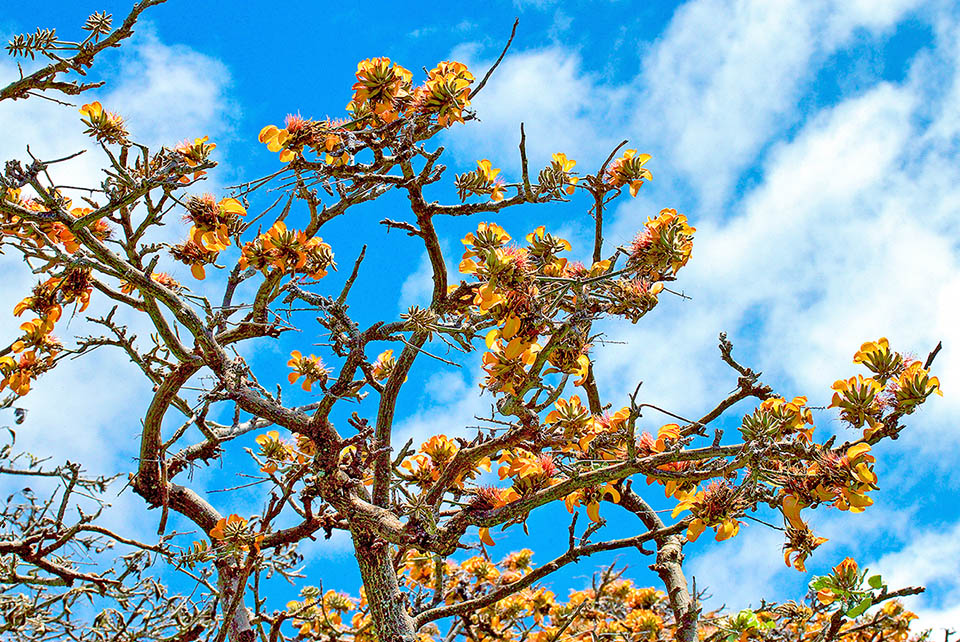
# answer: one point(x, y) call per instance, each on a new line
point(230, 579)
point(669, 567)
point(391, 620)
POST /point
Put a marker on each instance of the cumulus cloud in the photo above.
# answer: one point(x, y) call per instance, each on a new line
point(717, 100)
point(932, 557)
point(563, 107)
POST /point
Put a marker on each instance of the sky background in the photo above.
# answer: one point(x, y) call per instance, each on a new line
point(814, 145)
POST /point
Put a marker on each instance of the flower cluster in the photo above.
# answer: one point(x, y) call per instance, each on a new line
point(18, 373)
point(482, 181)
point(214, 223)
point(629, 170)
point(37, 346)
point(841, 480)
point(327, 138)
point(316, 616)
point(278, 453)
point(383, 94)
point(530, 472)
point(383, 367)
point(445, 94)
point(776, 419)
point(613, 607)
point(288, 251)
point(310, 368)
point(522, 289)
point(800, 543)
point(434, 456)
point(194, 154)
point(160, 278)
point(662, 247)
point(382, 88)
point(104, 126)
point(717, 506)
point(591, 496)
point(46, 232)
point(236, 534)
point(899, 384)
point(592, 436)
point(557, 178)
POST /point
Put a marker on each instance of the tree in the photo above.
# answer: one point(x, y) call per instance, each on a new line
point(414, 511)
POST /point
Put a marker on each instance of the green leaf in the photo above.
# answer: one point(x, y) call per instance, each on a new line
point(858, 610)
point(821, 582)
point(875, 581)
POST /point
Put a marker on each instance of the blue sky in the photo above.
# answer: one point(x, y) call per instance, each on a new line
point(813, 144)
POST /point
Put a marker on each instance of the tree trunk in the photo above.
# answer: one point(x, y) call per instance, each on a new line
point(229, 582)
point(391, 621)
point(668, 567)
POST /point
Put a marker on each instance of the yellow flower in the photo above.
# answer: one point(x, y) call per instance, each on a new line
point(103, 125)
point(92, 110)
point(487, 170)
point(591, 497)
point(384, 365)
point(562, 166)
point(274, 138)
point(273, 449)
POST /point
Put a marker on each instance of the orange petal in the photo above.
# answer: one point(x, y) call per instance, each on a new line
point(485, 537)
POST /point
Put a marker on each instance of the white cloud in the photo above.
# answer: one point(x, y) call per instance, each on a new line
point(171, 92)
point(450, 403)
point(737, 573)
point(322, 548)
point(931, 557)
point(418, 286)
point(707, 104)
point(716, 100)
point(562, 107)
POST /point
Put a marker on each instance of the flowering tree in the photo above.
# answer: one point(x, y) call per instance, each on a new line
point(420, 515)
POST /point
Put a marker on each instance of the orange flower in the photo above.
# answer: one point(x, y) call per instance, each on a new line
point(561, 166)
point(446, 93)
point(482, 180)
point(233, 530)
point(18, 374)
point(310, 368)
point(274, 138)
point(194, 154)
point(272, 449)
point(382, 86)
point(629, 170)
point(227, 526)
point(717, 506)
